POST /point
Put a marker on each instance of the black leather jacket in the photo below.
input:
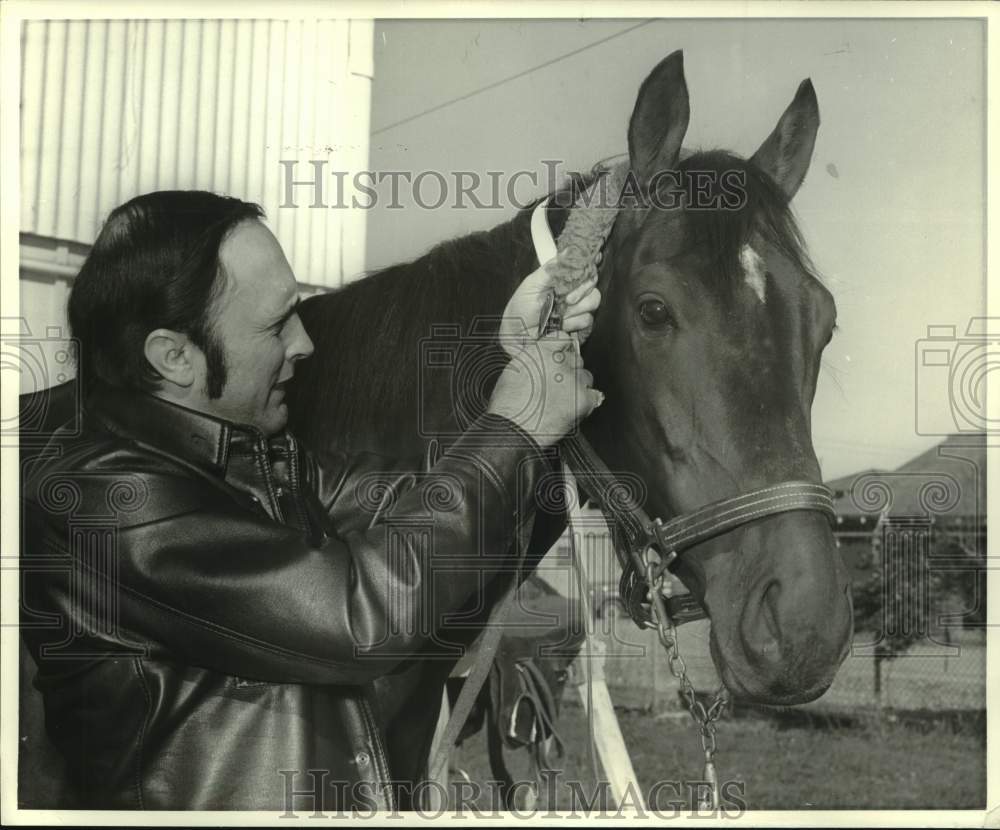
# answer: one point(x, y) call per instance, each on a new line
point(207, 609)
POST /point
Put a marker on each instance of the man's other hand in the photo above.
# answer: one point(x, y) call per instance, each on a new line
point(545, 390)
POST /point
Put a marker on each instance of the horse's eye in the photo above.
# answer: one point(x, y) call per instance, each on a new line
point(655, 313)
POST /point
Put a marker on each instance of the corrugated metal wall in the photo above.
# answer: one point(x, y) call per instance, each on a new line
point(114, 108)
point(111, 109)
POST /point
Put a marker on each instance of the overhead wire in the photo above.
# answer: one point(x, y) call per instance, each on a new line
point(510, 78)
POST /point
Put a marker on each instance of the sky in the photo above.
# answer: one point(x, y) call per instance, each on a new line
point(893, 208)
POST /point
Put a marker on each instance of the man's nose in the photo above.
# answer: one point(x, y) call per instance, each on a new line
point(300, 345)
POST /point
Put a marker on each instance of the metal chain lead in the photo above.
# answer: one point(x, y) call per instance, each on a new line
point(704, 718)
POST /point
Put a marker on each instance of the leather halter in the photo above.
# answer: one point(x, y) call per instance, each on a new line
point(634, 534)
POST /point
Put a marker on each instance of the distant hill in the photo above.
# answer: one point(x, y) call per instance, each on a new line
point(947, 481)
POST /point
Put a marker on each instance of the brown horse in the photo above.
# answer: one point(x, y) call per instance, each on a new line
point(707, 345)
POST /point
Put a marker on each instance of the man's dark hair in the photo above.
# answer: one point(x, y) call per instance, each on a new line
point(155, 264)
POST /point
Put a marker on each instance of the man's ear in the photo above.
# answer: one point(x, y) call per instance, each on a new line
point(172, 355)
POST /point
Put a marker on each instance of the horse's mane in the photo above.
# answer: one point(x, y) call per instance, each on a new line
point(368, 335)
point(721, 234)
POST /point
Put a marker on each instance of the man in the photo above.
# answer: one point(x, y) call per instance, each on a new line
point(216, 634)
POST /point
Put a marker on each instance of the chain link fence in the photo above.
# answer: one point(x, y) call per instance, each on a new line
point(922, 651)
point(933, 676)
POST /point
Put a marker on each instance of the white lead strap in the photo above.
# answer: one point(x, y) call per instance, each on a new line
point(621, 781)
point(541, 234)
point(489, 641)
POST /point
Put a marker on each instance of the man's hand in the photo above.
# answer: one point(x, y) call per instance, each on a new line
point(522, 314)
point(545, 390)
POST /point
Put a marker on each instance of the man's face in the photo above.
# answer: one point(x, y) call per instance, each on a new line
point(258, 328)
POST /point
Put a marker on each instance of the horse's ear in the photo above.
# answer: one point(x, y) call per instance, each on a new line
point(659, 120)
point(786, 154)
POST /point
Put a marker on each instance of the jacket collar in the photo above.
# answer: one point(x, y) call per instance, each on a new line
point(193, 436)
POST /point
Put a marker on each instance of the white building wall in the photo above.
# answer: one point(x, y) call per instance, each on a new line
point(114, 108)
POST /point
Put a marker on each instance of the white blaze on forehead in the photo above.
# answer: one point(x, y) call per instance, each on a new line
point(754, 271)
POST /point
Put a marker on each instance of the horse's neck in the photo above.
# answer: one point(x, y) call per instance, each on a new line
point(468, 283)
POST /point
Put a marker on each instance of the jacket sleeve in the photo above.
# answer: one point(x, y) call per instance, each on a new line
point(225, 588)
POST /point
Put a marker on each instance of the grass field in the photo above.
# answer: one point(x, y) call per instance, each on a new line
point(781, 767)
point(919, 744)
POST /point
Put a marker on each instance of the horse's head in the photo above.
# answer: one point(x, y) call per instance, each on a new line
point(708, 346)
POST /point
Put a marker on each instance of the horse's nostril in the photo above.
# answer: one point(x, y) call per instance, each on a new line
point(769, 609)
point(791, 635)
point(760, 629)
